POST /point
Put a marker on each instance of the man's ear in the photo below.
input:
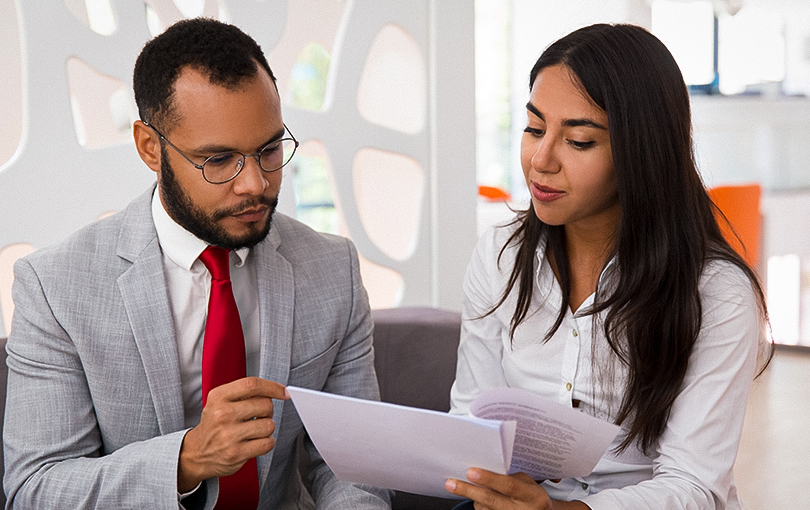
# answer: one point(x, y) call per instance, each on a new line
point(147, 143)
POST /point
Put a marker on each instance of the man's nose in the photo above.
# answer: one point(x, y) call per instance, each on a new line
point(252, 180)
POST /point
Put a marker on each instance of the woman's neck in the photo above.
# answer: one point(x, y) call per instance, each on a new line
point(588, 250)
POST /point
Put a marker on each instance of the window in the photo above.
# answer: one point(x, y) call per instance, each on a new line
point(688, 30)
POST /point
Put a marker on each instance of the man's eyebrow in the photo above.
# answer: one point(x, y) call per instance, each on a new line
point(568, 122)
point(213, 148)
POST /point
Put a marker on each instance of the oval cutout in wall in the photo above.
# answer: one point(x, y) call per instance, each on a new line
point(389, 189)
point(393, 86)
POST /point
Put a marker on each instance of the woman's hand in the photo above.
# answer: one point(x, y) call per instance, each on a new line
point(491, 491)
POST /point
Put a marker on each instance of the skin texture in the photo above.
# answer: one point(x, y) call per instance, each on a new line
point(491, 491)
point(568, 166)
point(237, 421)
point(211, 119)
point(204, 225)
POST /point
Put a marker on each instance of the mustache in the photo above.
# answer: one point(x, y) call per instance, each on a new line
point(241, 207)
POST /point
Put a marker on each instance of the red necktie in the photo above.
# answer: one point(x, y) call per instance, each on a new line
point(223, 361)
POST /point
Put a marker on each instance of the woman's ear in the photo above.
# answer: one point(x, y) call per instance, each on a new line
point(147, 143)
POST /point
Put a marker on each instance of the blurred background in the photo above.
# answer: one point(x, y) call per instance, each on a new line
point(409, 114)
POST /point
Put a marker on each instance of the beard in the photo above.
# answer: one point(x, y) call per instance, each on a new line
point(203, 225)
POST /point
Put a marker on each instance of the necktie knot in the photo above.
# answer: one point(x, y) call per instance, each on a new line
point(216, 260)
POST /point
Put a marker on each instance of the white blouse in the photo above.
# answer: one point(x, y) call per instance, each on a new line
point(691, 468)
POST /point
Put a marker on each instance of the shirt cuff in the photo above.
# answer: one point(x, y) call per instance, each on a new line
point(184, 495)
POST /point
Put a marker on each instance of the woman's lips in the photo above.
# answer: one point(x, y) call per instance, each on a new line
point(546, 193)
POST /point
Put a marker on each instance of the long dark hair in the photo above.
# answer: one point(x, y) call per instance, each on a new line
point(667, 231)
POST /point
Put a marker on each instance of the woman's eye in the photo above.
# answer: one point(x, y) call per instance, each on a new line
point(534, 131)
point(581, 145)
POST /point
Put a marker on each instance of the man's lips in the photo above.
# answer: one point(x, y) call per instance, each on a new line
point(544, 193)
point(252, 214)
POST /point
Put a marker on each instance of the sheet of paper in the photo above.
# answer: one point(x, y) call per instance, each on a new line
point(552, 440)
point(397, 447)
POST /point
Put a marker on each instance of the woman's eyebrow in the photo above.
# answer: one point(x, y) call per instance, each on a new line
point(534, 110)
point(567, 122)
point(583, 122)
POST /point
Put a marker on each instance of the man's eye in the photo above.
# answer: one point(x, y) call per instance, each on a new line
point(221, 159)
point(271, 149)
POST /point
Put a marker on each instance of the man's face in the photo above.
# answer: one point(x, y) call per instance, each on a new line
point(216, 119)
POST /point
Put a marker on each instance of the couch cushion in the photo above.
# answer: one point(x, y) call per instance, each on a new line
point(415, 355)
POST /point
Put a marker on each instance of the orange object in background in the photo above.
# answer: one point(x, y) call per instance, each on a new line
point(494, 194)
point(740, 205)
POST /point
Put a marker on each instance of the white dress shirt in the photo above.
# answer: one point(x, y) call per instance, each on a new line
point(189, 285)
point(692, 466)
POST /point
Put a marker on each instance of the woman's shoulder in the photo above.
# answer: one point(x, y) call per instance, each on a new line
point(499, 232)
point(721, 271)
point(726, 281)
point(494, 254)
point(500, 236)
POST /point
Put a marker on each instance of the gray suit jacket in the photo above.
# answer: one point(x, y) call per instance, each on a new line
point(94, 413)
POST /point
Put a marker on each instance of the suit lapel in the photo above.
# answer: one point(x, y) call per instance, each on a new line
point(145, 297)
point(274, 276)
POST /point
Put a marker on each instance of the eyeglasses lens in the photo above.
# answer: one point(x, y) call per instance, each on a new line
point(225, 166)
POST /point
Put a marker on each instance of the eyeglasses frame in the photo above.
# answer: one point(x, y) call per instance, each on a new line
point(255, 155)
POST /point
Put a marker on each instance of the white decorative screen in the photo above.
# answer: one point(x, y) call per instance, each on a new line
point(380, 93)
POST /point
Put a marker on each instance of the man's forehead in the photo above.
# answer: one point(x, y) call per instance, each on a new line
point(195, 79)
point(194, 95)
point(219, 77)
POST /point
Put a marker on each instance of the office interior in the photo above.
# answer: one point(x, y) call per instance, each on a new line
point(409, 114)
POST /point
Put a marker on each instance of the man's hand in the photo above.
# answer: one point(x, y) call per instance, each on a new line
point(491, 491)
point(236, 425)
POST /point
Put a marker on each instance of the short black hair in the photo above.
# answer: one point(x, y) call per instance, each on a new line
point(222, 51)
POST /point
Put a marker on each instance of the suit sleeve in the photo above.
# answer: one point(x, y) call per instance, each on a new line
point(352, 374)
point(52, 442)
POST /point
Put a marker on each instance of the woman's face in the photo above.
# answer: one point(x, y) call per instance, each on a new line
point(566, 157)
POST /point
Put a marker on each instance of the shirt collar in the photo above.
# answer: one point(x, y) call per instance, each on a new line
point(180, 245)
point(544, 276)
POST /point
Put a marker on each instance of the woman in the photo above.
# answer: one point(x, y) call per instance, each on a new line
point(615, 291)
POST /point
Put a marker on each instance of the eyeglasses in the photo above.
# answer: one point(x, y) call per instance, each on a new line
point(225, 166)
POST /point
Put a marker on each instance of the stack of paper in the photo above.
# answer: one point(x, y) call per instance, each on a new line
point(417, 450)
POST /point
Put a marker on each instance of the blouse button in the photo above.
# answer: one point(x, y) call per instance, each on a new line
point(568, 386)
point(574, 332)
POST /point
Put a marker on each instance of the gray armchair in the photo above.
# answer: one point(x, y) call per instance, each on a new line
point(415, 358)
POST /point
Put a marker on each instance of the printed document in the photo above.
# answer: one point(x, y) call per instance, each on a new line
point(417, 450)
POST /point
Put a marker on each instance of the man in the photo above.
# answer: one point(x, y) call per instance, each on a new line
point(126, 387)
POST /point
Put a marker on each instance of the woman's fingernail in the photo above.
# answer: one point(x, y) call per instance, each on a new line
point(450, 485)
